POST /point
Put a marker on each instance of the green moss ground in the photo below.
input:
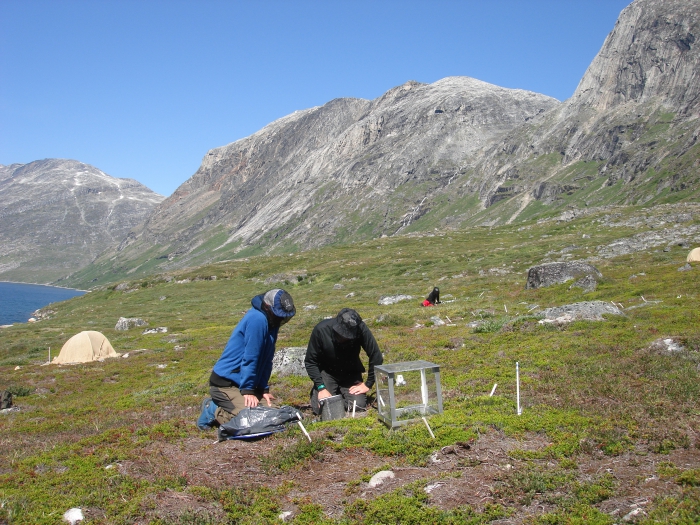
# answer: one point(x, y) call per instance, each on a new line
point(587, 388)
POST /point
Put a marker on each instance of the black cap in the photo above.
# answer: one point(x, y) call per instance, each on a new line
point(347, 323)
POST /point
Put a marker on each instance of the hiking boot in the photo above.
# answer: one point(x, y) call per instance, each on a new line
point(206, 418)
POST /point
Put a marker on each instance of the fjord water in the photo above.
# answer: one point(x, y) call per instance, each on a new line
point(18, 301)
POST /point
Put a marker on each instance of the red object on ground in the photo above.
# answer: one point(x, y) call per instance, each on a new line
point(427, 303)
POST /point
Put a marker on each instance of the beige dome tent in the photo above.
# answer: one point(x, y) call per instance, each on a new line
point(694, 255)
point(85, 347)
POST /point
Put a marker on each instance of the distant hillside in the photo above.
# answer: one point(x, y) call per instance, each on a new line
point(451, 154)
point(57, 215)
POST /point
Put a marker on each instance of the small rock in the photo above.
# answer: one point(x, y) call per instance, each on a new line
point(633, 514)
point(310, 307)
point(666, 346)
point(437, 321)
point(163, 298)
point(161, 366)
point(31, 320)
point(73, 516)
point(159, 330)
point(393, 299)
point(284, 515)
point(338, 286)
point(351, 294)
point(381, 477)
point(429, 488)
point(685, 268)
point(125, 323)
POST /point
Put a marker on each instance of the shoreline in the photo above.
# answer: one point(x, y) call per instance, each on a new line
point(49, 285)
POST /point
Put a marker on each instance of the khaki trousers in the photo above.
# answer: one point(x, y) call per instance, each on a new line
point(229, 401)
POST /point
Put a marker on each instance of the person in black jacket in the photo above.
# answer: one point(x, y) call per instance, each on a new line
point(333, 360)
point(433, 297)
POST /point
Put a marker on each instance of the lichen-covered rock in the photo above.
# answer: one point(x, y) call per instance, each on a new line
point(559, 272)
point(126, 323)
point(393, 299)
point(584, 311)
point(587, 284)
point(289, 361)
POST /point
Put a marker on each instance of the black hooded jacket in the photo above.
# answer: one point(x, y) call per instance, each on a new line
point(325, 352)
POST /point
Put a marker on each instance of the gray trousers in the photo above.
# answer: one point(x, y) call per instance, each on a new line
point(340, 385)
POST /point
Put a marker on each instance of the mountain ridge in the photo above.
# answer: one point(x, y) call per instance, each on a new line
point(452, 154)
point(59, 214)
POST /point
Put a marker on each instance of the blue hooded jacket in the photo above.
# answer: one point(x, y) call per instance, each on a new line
point(247, 357)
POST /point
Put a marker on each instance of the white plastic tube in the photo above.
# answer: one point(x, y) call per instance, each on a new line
point(428, 427)
point(517, 385)
point(304, 431)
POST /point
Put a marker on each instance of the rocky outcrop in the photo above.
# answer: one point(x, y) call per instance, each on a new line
point(57, 215)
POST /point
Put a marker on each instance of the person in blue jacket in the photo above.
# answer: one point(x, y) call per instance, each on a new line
point(240, 376)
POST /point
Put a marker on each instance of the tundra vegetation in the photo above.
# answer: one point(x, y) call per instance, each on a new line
point(610, 427)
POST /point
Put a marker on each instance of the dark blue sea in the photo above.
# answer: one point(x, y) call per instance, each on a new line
point(18, 301)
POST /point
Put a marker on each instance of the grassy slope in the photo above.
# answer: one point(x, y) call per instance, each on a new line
point(587, 387)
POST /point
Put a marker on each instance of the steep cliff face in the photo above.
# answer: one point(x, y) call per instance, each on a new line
point(57, 215)
point(347, 170)
point(651, 54)
point(627, 135)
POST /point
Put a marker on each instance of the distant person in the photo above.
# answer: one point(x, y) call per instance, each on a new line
point(240, 376)
point(433, 297)
point(333, 360)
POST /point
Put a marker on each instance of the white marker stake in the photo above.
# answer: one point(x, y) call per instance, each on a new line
point(304, 431)
point(493, 389)
point(517, 381)
point(429, 429)
point(505, 308)
point(354, 406)
point(49, 354)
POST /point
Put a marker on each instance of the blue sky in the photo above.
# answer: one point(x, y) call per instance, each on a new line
point(143, 89)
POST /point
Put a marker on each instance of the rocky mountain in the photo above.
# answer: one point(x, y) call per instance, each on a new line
point(349, 169)
point(454, 153)
point(628, 135)
point(57, 215)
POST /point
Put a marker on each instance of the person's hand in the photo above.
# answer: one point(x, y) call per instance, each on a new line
point(268, 397)
point(323, 394)
point(358, 389)
point(250, 401)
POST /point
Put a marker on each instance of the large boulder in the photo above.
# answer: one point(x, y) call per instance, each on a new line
point(584, 311)
point(289, 361)
point(559, 272)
